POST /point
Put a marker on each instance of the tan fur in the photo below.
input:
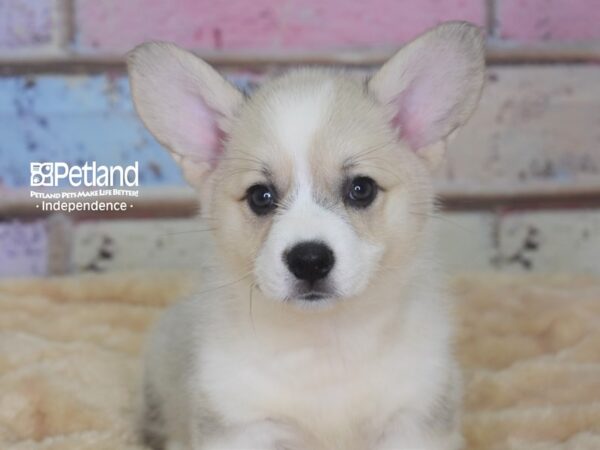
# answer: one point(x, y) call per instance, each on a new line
point(355, 140)
point(254, 365)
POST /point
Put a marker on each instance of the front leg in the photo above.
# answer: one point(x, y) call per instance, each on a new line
point(404, 441)
point(263, 435)
point(411, 432)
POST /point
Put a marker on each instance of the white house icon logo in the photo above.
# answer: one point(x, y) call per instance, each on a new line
point(42, 174)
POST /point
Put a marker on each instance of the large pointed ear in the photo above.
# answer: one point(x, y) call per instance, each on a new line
point(184, 103)
point(432, 85)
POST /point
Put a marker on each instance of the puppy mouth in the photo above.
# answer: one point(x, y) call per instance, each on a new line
point(310, 292)
point(314, 296)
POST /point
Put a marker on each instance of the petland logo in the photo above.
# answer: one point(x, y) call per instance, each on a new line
point(50, 174)
point(107, 183)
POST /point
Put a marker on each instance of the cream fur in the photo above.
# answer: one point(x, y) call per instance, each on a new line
point(69, 359)
point(254, 366)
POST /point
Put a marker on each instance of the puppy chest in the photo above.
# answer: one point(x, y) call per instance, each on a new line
point(321, 391)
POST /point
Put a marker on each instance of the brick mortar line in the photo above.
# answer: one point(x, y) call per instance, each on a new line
point(61, 15)
point(498, 53)
point(491, 18)
point(60, 244)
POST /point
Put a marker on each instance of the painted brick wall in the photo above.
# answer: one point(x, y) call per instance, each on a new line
point(23, 248)
point(89, 116)
point(74, 119)
point(548, 20)
point(114, 25)
point(78, 118)
point(25, 23)
point(518, 138)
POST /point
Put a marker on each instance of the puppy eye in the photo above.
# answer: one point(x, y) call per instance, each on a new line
point(261, 199)
point(361, 192)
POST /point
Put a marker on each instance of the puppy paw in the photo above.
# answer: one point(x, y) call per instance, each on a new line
point(264, 435)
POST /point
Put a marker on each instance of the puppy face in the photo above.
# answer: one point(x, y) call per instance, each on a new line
point(318, 181)
point(340, 192)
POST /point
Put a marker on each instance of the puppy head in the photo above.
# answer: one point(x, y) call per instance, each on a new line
point(318, 181)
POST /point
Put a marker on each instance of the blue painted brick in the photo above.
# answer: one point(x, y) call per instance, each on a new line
point(77, 119)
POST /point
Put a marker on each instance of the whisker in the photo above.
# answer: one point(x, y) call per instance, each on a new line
point(369, 150)
point(237, 158)
point(237, 171)
point(173, 233)
point(250, 311)
point(252, 157)
point(442, 218)
point(383, 169)
point(231, 283)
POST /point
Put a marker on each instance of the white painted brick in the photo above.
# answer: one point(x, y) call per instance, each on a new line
point(550, 241)
point(537, 127)
point(139, 244)
point(465, 241)
point(542, 242)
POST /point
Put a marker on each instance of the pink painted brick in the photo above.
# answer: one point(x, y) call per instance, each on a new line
point(116, 25)
point(540, 20)
point(25, 23)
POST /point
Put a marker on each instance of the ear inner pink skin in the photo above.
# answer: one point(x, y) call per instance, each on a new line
point(206, 145)
point(433, 84)
point(420, 109)
point(197, 138)
point(406, 122)
point(220, 137)
point(184, 103)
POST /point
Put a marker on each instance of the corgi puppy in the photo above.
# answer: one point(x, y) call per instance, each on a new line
point(332, 331)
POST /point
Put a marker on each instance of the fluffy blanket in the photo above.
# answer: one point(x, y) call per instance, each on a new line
point(530, 347)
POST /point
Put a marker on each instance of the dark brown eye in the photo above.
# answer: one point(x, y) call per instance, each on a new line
point(261, 199)
point(361, 192)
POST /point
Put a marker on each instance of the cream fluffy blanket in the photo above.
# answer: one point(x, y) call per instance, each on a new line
point(530, 347)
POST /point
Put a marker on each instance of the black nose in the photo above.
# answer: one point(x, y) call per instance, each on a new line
point(310, 260)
